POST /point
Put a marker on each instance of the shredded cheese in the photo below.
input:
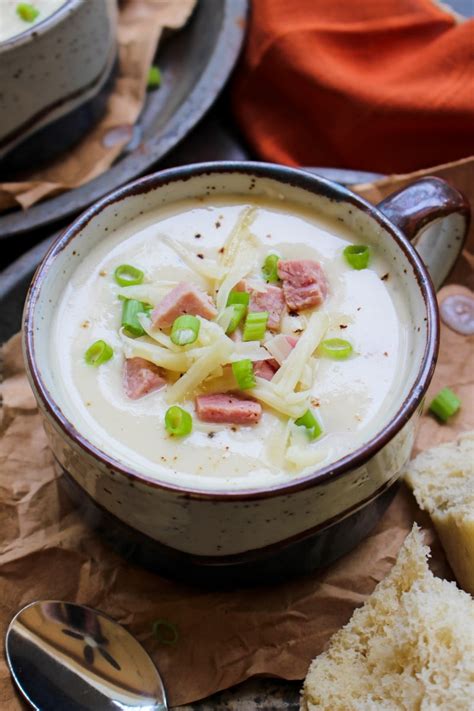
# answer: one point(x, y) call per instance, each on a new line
point(209, 331)
point(205, 267)
point(302, 457)
point(148, 293)
point(158, 335)
point(306, 380)
point(277, 443)
point(210, 359)
point(245, 258)
point(299, 451)
point(222, 384)
point(225, 318)
point(279, 347)
point(294, 406)
point(248, 349)
point(287, 377)
point(293, 325)
point(233, 243)
point(137, 348)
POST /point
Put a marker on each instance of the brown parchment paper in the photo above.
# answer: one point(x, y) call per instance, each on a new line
point(224, 637)
point(140, 26)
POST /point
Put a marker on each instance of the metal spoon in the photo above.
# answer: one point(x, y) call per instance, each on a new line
point(67, 657)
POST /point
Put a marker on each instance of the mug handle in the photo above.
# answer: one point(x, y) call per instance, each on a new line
point(435, 217)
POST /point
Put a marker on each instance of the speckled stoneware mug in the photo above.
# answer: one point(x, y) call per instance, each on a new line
point(54, 68)
point(267, 534)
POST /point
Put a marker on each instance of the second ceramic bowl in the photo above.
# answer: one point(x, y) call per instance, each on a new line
point(52, 69)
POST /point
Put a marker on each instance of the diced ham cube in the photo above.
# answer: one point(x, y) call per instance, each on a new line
point(265, 368)
point(227, 409)
point(304, 283)
point(141, 377)
point(183, 299)
point(271, 300)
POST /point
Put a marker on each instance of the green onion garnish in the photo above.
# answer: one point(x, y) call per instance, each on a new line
point(243, 373)
point(98, 353)
point(357, 255)
point(335, 348)
point(255, 325)
point(238, 314)
point(178, 422)
point(445, 404)
point(309, 421)
point(270, 269)
point(130, 310)
point(165, 632)
point(126, 275)
point(238, 297)
point(154, 77)
point(185, 330)
point(27, 12)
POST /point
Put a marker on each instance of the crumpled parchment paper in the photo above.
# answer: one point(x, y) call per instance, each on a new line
point(46, 551)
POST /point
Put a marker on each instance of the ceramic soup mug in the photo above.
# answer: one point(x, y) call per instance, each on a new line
point(55, 74)
point(263, 533)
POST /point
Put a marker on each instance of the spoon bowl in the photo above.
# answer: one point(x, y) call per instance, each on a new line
point(67, 656)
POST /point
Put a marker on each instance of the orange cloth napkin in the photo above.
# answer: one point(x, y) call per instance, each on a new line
point(382, 85)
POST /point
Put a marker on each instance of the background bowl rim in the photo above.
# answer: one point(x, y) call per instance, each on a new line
point(35, 30)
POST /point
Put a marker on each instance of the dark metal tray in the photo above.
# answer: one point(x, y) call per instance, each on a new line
point(195, 64)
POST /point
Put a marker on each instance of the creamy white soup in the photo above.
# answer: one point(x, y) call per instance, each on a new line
point(277, 351)
point(17, 17)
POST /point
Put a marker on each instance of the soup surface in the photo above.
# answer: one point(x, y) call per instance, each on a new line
point(304, 401)
point(13, 22)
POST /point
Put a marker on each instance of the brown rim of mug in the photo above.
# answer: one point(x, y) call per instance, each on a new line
point(297, 178)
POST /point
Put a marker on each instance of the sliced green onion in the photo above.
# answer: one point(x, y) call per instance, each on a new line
point(178, 422)
point(185, 330)
point(165, 632)
point(357, 256)
point(27, 12)
point(255, 325)
point(312, 425)
point(335, 348)
point(238, 297)
point(154, 77)
point(98, 353)
point(126, 275)
point(445, 404)
point(243, 373)
point(238, 314)
point(130, 310)
point(270, 269)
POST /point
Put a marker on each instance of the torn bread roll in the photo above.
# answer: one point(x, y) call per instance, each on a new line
point(442, 479)
point(409, 648)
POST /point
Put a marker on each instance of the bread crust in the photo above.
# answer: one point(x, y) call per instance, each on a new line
point(442, 480)
point(408, 648)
